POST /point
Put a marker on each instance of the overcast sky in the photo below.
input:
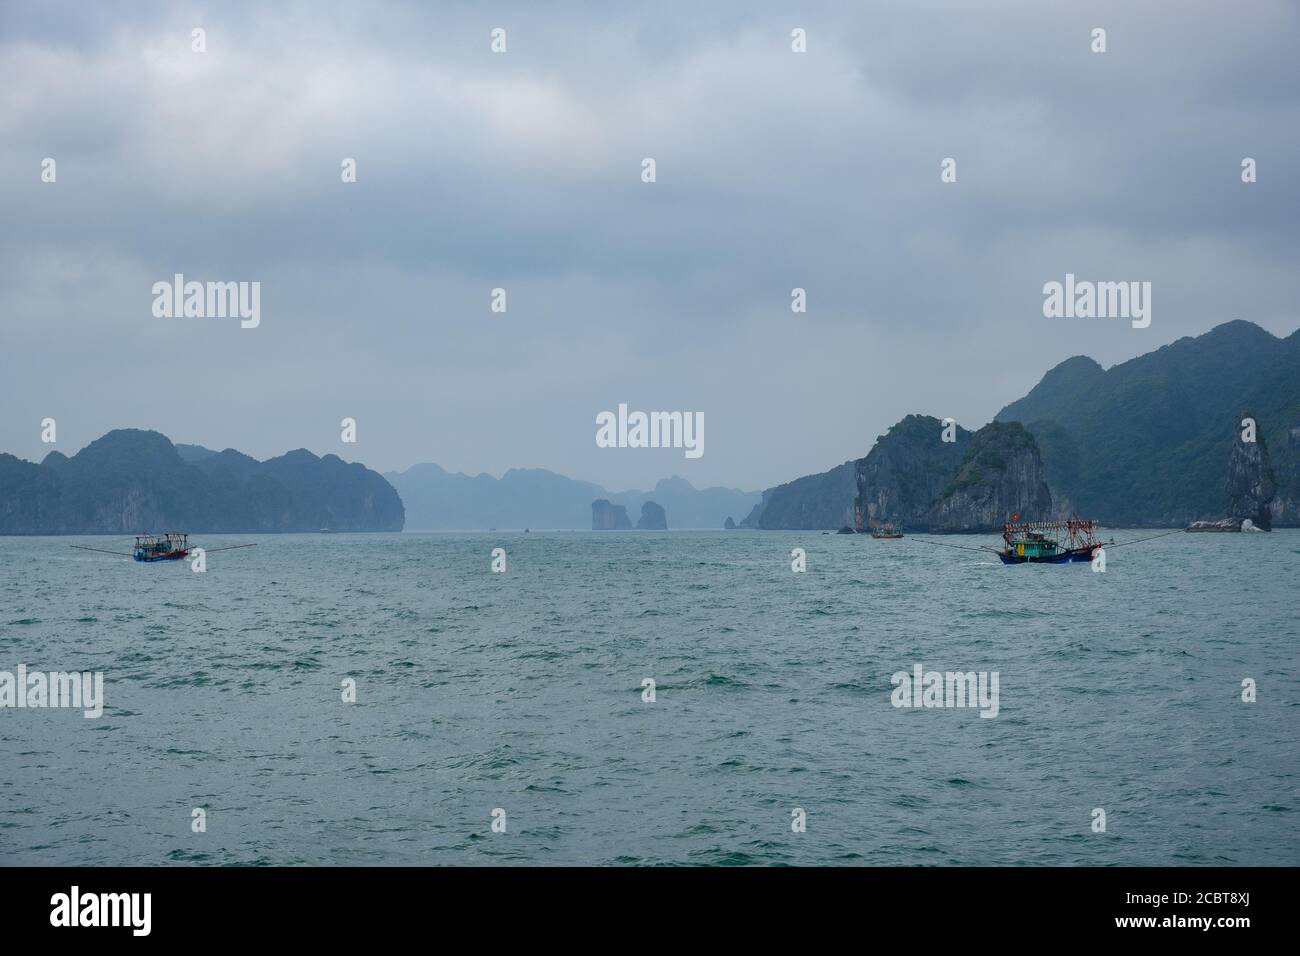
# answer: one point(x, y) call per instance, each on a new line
point(522, 170)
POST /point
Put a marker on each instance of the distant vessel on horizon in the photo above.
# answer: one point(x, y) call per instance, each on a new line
point(885, 529)
point(171, 546)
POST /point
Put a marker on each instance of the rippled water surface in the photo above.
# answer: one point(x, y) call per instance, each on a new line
point(523, 691)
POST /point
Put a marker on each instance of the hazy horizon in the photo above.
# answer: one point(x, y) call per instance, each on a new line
point(498, 475)
point(522, 170)
point(416, 464)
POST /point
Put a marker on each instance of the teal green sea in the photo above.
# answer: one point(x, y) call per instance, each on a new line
point(522, 691)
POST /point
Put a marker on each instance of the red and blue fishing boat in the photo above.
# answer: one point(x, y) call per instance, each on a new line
point(171, 546)
point(1048, 542)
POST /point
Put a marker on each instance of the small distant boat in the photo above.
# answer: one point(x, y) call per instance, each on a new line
point(884, 530)
point(326, 530)
point(1048, 542)
point(171, 546)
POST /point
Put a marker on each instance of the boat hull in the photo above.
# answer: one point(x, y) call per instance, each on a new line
point(1065, 557)
point(169, 556)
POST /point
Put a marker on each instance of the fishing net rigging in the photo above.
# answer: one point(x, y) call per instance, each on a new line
point(957, 547)
point(1070, 525)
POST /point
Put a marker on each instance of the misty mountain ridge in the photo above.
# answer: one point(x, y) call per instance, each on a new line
point(1153, 441)
point(439, 500)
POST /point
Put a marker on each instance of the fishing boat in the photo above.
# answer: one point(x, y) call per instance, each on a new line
point(171, 546)
point(1048, 542)
point(885, 530)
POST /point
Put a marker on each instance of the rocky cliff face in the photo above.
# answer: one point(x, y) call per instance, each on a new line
point(1285, 507)
point(653, 518)
point(1000, 476)
point(913, 478)
point(907, 470)
point(608, 517)
point(814, 501)
point(1250, 483)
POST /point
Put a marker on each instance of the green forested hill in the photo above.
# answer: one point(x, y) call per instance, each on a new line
point(1147, 441)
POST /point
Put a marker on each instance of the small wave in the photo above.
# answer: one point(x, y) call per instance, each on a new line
point(189, 856)
point(722, 680)
point(853, 687)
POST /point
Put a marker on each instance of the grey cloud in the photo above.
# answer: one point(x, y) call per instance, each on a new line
point(476, 171)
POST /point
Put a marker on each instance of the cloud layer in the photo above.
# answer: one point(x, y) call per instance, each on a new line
point(522, 170)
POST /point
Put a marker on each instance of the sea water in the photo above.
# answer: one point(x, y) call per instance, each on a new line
point(520, 697)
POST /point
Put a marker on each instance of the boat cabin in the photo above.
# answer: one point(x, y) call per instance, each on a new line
point(1033, 545)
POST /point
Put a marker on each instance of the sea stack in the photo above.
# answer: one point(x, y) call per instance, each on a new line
point(609, 517)
point(653, 518)
point(1250, 483)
